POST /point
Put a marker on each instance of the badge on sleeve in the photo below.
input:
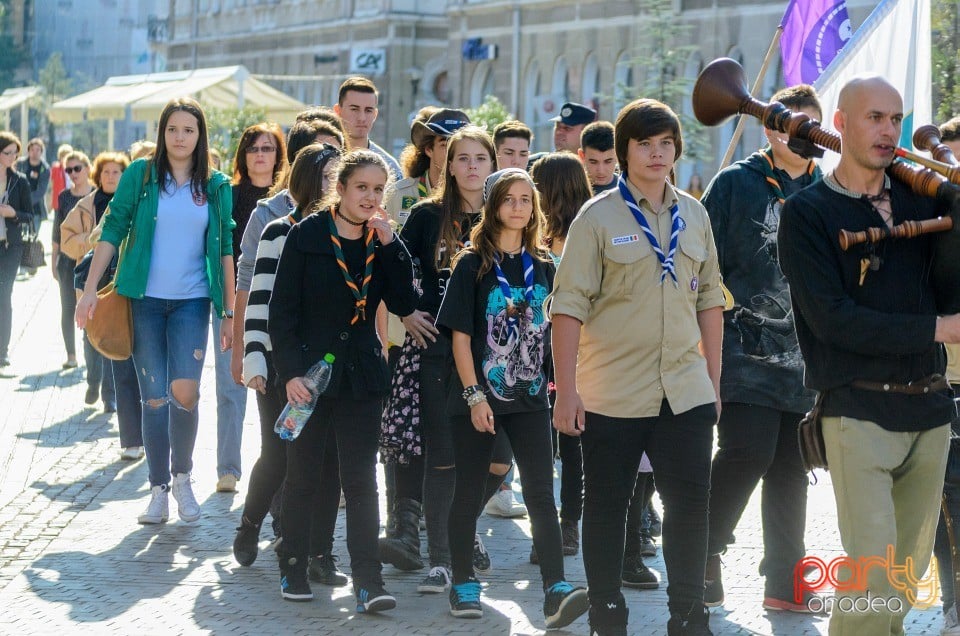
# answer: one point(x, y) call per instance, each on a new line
point(694, 283)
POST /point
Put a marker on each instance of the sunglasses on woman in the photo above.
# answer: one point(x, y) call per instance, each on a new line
point(72, 169)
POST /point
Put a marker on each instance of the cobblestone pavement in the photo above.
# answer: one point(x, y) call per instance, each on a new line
point(74, 560)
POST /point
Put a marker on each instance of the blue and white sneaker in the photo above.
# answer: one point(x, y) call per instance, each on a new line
point(293, 582)
point(563, 604)
point(465, 599)
point(373, 598)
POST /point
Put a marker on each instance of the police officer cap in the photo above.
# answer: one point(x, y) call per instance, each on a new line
point(573, 114)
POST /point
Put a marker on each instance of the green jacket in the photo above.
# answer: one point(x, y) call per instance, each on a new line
point(132, 220)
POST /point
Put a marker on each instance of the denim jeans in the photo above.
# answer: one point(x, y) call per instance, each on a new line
point(530, 438)
point(99, 372)
point(357, 427)
point(679, 447)
point(68, 303)
point(759, 443)
point(9, 264)
point(231, 407)
point(129, 409)
point(169, 342)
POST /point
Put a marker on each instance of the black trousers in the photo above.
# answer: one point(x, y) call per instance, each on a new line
point(9, 264)
point(269, 471)
point(68, 303)
point(357, 427)
point(571, 477)
point(760, 443)
point(679, 448)
point(530, 438)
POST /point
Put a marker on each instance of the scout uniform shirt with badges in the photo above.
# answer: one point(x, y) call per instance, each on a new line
point(640, 335)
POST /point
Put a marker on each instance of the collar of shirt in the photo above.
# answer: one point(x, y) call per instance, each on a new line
point(834, 185)
point(668, 201)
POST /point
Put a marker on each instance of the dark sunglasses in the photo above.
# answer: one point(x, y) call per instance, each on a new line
point(252, 150)
point(71, 170)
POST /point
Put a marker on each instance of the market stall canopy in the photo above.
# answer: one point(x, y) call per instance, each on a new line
point(14, 97)
point(146, 95)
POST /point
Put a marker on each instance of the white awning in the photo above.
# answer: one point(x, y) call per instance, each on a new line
point(146, 95)
point(13, 97)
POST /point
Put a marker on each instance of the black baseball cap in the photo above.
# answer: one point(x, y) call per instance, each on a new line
point(573, 114)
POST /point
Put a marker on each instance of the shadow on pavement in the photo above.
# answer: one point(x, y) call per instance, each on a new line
point(87, 424)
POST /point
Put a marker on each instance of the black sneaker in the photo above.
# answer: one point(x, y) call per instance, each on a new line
point(373, 598)
point(93, 394)
point(571, 537)
point(245, 546)
point(436, 581)
point(695, 623)
point(648, 545)
point(293, 582)
point(323, 569)
point(481, 560)
point(609, 618)
point(713, 582)
point(636, 574)
point(465, 599)
point(563, 604)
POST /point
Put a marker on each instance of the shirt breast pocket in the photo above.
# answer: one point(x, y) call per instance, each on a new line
point(689, 261)
point(627, 267)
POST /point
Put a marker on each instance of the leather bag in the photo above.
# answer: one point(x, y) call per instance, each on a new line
point(813, 451)
point(110, 331)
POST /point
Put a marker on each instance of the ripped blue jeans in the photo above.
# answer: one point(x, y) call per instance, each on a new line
point(169, 343)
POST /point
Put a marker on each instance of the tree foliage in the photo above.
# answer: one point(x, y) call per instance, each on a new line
point(488, 114)
point(945, 54)
point(11, 56)
point(56, 85)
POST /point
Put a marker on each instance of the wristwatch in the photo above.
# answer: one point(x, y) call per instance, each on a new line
point(228, 313)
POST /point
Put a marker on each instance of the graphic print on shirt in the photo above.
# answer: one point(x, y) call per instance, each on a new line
point(765, 321)
point(514, 349)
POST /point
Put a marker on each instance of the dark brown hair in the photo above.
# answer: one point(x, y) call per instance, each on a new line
point(7, 138)
point(597, 135)
point(350, 163)
point(103, 159)
point(484, 236)
point(447, 195)
point(248, 138)
point(799, 97)
point(414, 161)
point(200, 171)
point(564, 187)
point(358, 84)
point(306, 175)
point(642, 119)
point(321, 113)
point(511, 128)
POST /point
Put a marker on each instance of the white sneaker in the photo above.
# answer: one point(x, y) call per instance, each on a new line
point(504, 504)
point(132, 453)
point(187, 506)
point(951, 626)
point(158, 510)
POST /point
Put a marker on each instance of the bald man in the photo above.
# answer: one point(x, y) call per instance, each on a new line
point(867, 324)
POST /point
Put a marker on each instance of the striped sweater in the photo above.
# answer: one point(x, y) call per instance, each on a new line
point(256, 339)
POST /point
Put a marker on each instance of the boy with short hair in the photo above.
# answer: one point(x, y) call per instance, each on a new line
point(637, 325)
point(512, 140)
point(598, 156)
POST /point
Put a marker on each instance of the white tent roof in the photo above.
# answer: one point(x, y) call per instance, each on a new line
point(13, 97)
point(146, 95)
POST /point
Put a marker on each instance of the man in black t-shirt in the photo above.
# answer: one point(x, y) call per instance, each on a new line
point(598, 156)
point(867, 324)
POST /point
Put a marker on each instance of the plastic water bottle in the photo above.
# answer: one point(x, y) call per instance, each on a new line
point(294, 416)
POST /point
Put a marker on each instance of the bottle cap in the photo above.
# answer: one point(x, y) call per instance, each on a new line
point(329, 358)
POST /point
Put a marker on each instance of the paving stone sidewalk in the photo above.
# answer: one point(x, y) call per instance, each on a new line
point(73, 559)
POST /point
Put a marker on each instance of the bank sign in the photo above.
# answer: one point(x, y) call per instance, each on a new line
point(368, 61)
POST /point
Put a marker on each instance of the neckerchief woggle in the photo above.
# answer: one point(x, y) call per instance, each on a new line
point(512, 310)
point(667, 265)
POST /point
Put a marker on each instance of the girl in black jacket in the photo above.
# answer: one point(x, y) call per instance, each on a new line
point(16, 210)
point(336, 267)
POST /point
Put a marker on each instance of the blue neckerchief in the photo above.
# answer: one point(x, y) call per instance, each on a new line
point(527, 262)
point(667, 265)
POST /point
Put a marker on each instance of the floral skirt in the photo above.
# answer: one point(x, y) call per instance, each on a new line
point(400, 439)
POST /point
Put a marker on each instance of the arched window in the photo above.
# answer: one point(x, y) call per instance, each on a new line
point(482, 84)
point(685, 168)
point(591, 82)
point(561, 79)
point(531, 91)
point(622, 81)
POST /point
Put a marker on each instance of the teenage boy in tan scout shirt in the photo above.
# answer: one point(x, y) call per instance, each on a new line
point(637, 326)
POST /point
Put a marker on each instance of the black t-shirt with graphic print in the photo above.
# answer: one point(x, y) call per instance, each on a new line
point(508, 358)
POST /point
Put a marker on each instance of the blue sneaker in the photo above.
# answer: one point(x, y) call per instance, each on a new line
point(293, 582)
point(373, 598)
point(465, 599)
point(563, 604)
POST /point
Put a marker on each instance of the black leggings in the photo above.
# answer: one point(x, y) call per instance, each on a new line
point(530, 437)
point(271, 468)
point(68, 303)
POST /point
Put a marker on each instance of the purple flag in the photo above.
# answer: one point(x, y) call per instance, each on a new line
point(814, 31)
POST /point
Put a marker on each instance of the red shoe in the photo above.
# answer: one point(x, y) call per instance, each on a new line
point(780, 605)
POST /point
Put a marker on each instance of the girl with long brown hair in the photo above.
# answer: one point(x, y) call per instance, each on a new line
point(493, 311)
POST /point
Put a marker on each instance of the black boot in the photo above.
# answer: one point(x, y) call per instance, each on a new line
point(609, 619)
point(696, 622)
point(403, 550)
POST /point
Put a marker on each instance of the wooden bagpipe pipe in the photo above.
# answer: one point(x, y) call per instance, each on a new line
point(721, 92)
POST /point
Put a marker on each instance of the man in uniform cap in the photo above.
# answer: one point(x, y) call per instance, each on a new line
point(569, 124)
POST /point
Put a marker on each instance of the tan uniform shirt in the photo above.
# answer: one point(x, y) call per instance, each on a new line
point(639, 338)
point(397, 201)
point(953, 363)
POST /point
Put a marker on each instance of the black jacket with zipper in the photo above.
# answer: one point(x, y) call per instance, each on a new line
point(18, 197)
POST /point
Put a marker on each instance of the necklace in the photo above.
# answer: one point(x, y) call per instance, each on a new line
point(346, 218)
